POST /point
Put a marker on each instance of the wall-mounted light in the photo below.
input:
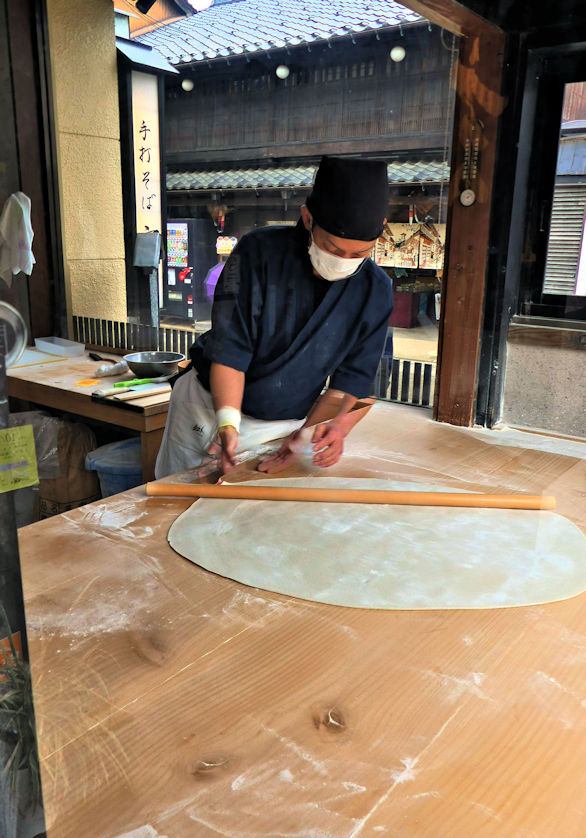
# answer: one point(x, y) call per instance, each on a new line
point(282, 71)
point(187, 85)
point(397, 53)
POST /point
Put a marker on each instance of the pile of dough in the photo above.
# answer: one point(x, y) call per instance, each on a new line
point(375, 556)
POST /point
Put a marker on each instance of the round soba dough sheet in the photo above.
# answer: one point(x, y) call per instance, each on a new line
point(378, 556)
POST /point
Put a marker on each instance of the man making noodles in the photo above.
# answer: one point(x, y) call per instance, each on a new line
point(293, 307)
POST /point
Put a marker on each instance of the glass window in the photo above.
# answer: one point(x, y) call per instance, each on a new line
point(565, 267)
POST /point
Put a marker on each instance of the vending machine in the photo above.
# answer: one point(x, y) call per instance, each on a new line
point(191, 252)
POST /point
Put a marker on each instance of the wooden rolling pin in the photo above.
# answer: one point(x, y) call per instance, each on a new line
point(239, 492)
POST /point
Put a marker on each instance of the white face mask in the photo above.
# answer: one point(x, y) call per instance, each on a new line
point(332, 267)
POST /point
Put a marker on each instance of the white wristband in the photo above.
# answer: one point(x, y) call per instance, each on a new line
point(228, 416)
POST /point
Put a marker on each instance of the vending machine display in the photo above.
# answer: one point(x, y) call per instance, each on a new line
point(177, 245)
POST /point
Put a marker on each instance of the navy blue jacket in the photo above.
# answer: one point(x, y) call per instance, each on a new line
point(288, 330)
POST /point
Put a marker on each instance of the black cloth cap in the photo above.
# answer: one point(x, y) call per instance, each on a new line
point(350, 197)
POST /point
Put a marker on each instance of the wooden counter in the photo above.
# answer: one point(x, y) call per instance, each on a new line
point(173, 702)
point(55, 385)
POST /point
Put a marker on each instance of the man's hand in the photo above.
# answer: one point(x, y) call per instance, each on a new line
point(224, 449)
point(328, 444)
point(280, 460)
point(229, 440)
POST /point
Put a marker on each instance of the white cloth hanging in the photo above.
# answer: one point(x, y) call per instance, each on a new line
point(16, 237)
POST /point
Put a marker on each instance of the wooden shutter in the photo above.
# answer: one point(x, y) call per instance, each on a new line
point(565, 239)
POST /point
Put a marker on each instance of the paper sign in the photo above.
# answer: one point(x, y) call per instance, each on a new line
point(147, 163)
point(18, 458)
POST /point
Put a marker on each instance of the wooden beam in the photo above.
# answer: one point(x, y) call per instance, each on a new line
point(380, 144)
point(478, 106)
point(452, 16)
point(424, 202)
point(32, 160)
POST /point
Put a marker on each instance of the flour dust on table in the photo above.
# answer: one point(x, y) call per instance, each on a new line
point(384, 556)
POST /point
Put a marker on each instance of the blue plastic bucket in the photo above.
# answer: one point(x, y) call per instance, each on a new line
point(118, 464)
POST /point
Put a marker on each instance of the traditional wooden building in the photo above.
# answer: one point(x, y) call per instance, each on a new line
point(176, 702)
point(337, 90)
point(514, 62)
point(498, 357)
point(265, 89)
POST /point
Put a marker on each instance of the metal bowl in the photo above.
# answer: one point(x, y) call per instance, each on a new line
point(154, 364)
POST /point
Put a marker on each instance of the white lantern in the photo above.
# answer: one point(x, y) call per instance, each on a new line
point(282, 71)
point(397, 53)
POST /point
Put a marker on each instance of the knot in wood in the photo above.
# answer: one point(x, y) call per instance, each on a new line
point(332, 719)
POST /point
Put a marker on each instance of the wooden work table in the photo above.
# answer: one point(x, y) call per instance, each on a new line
point(174, 702)
point(55, 385)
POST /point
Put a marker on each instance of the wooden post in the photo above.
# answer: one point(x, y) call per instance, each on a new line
point(477, 111)
point(478, 106)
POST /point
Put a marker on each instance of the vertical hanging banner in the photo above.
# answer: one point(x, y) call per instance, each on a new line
point(147, 160)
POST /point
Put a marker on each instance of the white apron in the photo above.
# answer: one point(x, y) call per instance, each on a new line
point(191, 428)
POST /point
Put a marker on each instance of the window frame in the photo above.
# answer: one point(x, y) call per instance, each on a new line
point(548, 72)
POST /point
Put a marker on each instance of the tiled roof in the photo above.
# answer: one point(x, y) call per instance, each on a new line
point(250, 26)
point(296, 177)
point(144, 56)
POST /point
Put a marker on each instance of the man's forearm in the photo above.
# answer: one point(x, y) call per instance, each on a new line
point(227, 385)
point(338, 406)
